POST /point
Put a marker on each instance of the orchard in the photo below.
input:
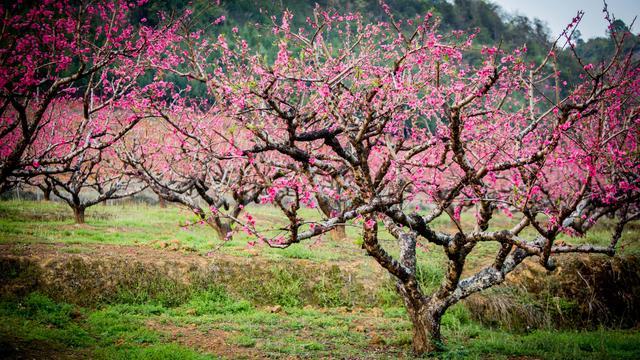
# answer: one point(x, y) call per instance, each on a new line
point(383, 126)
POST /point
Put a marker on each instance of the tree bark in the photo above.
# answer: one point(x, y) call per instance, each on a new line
point(221, 228)
point(47, 194)
point(425, 312)
point(426, 330)
point(328, 207)
point(78, 212)
point(46, 189)
point(161, 202)
point(339, 232)
point(426, 318)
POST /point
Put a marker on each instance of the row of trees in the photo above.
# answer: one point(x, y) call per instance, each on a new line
point(363, 121)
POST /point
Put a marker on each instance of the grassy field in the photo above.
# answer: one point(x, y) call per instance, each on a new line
point(211, 323)
point(134, 224)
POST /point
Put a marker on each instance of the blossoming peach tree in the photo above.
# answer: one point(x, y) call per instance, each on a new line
point(371, 122)
point(392, 115)
point(61, 60)
point(191, 158)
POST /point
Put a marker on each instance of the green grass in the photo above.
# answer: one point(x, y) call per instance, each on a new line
point(107, 333)
point(335, 328)
point(153, 352)
point(599, 344)
point(135, 224)
point(123, 331)
point(215, 300)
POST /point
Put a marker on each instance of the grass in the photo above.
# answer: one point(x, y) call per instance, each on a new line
point(125, 331)
point(215, 300)
point(159, 321)
point(66, 329)
point(139, 224)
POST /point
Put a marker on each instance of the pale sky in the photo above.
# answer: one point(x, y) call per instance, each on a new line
point(558, 13)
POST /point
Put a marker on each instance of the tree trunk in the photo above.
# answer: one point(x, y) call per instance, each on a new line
point(425, 313)
point(161, 202)
point(426, 320)
point(339, 232)
point(328, 207)
point(426, 331)
point(78, 212)
point(47, 194)
point(221, 228)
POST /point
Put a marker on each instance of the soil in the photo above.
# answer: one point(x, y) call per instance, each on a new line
point(148, 254)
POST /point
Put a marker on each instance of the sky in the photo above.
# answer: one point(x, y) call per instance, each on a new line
point(558, 13)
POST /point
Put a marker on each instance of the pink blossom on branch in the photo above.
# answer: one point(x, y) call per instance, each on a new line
point(390, 115)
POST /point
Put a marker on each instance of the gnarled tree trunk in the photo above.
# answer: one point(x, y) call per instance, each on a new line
point(328, 207)
point(426, 317)
point(78, 213)
point(426, 330)
point(424, 312)
point(46, 187)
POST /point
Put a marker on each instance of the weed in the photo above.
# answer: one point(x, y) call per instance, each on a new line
point(44, 310)
point(243, 340)
point(215, 300)
point(331, 291)
point(142, 285)
point(430, 275)
point(282, 287)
